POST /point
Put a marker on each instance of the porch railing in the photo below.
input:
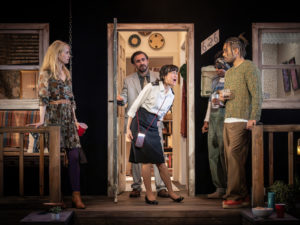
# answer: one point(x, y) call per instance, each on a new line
point(54, 159)
point(258, 158)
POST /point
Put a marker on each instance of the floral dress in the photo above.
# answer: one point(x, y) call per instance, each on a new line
point(50, 89)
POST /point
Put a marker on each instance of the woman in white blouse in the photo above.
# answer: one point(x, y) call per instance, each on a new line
point(153, 102)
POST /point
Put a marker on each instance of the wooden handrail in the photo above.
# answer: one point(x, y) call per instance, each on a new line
point(54, 159)
point(24, 129)
point(258, 158)
point(281, 128)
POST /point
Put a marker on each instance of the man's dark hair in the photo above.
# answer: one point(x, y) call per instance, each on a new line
point(138, 53)
point(220, 63)
point(165, 70)
point(219, 54)
point(239, 42)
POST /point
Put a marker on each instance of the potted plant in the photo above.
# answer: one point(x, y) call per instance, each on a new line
point(55, 212)
point(284, 193)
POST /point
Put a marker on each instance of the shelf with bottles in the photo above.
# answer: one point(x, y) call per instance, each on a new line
point(167, 130)
point(168, 124)
point(167, 140)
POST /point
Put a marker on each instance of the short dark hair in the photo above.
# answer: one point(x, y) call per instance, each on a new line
point(220, 63)
point(164, 70)
point(138, 53)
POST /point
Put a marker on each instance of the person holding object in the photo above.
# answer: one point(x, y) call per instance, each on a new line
point(153, 102)
point(133, 84)
point(57, 107)
point(243, 110)
point(213, 124)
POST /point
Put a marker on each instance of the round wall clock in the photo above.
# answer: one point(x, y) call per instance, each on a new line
point(134, 40)
point(156, 41)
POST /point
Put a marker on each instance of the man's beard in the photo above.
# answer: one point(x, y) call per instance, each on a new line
point(229, 60)
point(143, 68)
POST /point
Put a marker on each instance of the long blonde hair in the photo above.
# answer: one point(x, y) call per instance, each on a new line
point(51, 61)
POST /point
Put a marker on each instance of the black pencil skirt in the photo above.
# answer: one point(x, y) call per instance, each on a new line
point(151, 152)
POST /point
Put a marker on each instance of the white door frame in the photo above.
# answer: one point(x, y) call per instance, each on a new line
point(189, 28)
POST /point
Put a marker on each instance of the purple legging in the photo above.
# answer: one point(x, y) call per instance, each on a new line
point(74, 168)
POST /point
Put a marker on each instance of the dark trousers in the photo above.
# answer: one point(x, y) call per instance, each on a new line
point(74, 168)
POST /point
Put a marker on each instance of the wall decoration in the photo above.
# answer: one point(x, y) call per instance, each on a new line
point(286, 79)
point(156, 41)
point(210, 42)
point(290, 76)
point(294, 75)
point(134, 40)
point(10, 83)
point(144, 33)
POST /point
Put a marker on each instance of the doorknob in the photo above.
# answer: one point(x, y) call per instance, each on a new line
point(121, 103)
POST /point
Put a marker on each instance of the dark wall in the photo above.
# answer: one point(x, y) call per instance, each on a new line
point(90, 59)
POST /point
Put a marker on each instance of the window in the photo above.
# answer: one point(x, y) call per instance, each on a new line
point(22, 48)
point(276, 51)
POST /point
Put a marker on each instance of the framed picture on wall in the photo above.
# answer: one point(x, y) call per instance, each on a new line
point(294, 75)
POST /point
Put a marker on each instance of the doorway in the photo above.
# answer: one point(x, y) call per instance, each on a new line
point(179, 151)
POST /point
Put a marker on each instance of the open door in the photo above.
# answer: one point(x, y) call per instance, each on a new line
point(121, 116)
point(115, 122)
point(115, 140)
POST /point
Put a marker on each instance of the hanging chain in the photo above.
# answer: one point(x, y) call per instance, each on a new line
point(70, 35)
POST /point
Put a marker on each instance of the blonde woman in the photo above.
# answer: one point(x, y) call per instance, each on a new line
point(57, 107)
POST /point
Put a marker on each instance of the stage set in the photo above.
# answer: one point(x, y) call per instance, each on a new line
point(102, 39)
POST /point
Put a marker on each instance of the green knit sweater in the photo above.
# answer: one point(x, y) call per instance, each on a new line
point(245, 83)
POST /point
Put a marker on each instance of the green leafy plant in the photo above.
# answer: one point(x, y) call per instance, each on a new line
point(183, 70)
point(284, 193)
point(55, 210)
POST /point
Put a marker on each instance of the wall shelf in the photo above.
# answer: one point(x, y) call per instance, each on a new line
point(167, 140)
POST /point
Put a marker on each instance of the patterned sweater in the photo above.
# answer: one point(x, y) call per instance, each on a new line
point(245, 83)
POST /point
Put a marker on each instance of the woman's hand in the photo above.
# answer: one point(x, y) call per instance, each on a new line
point(77, 124)
point(36, 125)
point(129, 134)
point(42, 118)
point(128, 131)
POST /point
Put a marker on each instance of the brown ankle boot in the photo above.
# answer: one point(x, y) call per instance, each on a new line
point(76, 200)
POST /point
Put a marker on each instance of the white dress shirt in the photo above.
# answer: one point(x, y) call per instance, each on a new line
point(151, 98)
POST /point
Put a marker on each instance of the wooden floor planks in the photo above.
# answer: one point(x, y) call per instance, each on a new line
point(102, 210)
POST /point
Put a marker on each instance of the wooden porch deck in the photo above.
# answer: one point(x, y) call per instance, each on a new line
point(193, 210)
point(102, 210)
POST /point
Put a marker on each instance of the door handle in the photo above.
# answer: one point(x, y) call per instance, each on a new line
point(118, 102)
